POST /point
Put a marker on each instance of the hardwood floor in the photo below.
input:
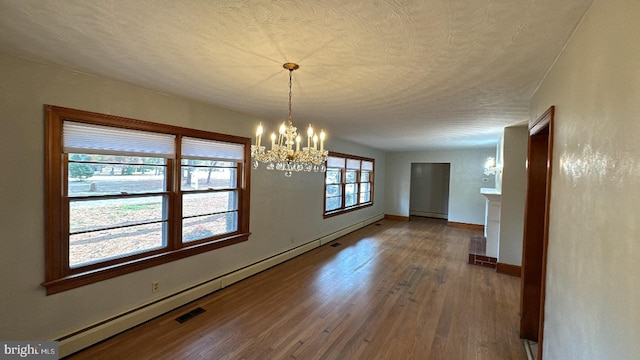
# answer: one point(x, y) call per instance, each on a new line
point(392, 290)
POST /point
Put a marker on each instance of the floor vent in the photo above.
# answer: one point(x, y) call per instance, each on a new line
point(335, 244)
point(190, 315)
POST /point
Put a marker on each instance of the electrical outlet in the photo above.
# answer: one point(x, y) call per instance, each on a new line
point(155, 286)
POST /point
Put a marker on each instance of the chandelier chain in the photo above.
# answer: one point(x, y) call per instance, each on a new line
point(290, 96)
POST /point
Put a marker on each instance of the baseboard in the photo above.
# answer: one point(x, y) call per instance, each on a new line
point(396, 217)
point(508, 269)
point(95, 333)
point(102, 330)
point(476, 227)
point(428, 214)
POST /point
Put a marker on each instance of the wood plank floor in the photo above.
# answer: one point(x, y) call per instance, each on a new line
point(392, 290)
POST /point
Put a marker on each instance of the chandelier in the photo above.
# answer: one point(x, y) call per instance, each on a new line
point(282, 155)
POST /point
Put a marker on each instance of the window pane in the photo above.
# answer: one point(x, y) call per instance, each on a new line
point(351, 176)
point(333, 176)
point(365, 197)
point(209, 203)
point(103, 159)
point(332, 203)
point(351, 195)
point(215, 163)
point(334, 190)
point(105, 245)
point(92, 177)
point(364, 176)
point(92, 215)
point(365, 187)
point(203, 227)
point(209, 177)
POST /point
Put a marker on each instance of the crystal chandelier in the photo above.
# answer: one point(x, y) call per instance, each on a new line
point(282, 155)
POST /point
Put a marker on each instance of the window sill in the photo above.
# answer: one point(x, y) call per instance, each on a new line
point(347, 210)
point(77, 280)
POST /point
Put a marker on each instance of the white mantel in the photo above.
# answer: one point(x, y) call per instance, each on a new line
point(492, 220)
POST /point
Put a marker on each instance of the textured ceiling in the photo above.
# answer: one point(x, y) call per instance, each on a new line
point(393, 74)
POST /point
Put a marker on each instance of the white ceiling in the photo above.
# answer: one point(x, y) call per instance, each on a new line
point(392, 74)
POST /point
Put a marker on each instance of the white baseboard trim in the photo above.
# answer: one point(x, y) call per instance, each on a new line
point(95, 333)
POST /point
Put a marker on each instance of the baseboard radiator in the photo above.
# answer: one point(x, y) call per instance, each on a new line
point(95, 333)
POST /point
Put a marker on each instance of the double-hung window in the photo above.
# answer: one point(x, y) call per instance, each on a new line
point(348, 183)
point(124, 195)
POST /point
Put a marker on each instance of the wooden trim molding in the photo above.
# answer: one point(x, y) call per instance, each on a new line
point(508, 269)
point(475, 227)
point(396, 217)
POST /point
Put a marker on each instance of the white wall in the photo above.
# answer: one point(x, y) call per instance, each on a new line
point(285, 212)
point(466, 205)
point(593, 266)
point(500, 162)
point(514, 185)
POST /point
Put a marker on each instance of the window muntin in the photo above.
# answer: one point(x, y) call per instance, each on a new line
point(120, 209)
point(348, 183)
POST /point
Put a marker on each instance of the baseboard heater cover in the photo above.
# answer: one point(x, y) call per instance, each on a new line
point(105, 329)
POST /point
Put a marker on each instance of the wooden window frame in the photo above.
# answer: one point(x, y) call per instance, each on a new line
point(58, 274)
point(343, 182)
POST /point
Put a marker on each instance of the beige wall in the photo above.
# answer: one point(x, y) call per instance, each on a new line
point(593, 283)
point(285, 212)
point(466, 204)
point(514, 185)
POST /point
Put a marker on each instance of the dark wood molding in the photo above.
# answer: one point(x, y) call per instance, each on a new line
point(59, 276)
point(342, 210)
point(536, 228)
point(396, 217)
point(508, 269)
point(475, 227)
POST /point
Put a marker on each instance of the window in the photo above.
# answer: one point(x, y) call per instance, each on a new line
point(348, 183)
point(124, 195)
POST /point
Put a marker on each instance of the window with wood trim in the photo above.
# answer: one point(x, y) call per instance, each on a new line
point(348, 183)
point(123, 195)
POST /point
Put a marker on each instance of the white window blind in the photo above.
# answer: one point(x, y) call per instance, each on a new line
point(97, 139)
point(353, 164)
point(367, 165)
point(203, 149)
point(335, 162)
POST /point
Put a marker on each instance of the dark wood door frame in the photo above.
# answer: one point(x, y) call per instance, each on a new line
point(536, 228)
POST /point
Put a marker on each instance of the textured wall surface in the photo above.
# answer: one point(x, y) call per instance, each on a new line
point(593, 283)
point(466, 204)
point(285, 212)
point(426, 74)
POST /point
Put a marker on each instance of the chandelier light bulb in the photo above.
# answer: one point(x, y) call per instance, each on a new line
point(259, 134)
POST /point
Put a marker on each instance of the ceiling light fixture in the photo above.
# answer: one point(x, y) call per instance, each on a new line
point(491, 168)
point(282, 156)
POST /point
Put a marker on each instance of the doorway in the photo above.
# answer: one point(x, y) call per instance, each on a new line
point(536, 228)
point(429, 193)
